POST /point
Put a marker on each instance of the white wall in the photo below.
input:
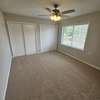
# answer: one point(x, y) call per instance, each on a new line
point(91, 54)
point(25, 19)
point(5, 58)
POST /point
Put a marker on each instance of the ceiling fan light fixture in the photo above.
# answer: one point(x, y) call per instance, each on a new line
point(55, 18)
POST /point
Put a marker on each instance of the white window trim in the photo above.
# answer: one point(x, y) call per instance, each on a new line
point(73, 30)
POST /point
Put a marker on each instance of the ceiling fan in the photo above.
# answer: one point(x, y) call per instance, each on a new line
point(56, 14)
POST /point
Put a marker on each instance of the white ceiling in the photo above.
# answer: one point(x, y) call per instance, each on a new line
point(36, 7)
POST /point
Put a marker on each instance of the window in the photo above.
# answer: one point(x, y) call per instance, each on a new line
point(74, 36)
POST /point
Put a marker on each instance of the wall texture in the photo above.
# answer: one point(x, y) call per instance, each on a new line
point(91, 53)
point(5, 58)
point(24, 19)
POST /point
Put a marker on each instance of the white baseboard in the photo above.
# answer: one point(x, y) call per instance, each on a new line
point(91, 65)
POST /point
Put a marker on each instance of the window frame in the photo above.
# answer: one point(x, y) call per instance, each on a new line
point(73, 31)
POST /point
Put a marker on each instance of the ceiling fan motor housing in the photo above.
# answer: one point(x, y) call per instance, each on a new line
point(56, 12)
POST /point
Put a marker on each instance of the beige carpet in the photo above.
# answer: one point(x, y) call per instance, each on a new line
point(52, 76)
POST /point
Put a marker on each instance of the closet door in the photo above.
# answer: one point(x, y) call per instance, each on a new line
point(48, 37)
point(29, 36)
point(16, 38)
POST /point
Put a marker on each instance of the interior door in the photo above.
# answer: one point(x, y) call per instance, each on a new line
point(29, 35)
point(48, 37)
point(16, 38)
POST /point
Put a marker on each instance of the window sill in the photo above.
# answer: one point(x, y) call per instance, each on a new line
point(72, 47)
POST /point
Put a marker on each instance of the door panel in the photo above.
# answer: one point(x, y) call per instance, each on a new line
point(48, 37)
point(29, 35)
point(16, 38)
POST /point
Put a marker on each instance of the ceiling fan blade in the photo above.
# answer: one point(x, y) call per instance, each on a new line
point(43, 15)
point(48, 9)
point(65, 16)
point(68, 11)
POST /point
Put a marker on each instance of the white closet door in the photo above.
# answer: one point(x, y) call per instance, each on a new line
point(48, 37)
point(16, 38)
point(29, 34)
